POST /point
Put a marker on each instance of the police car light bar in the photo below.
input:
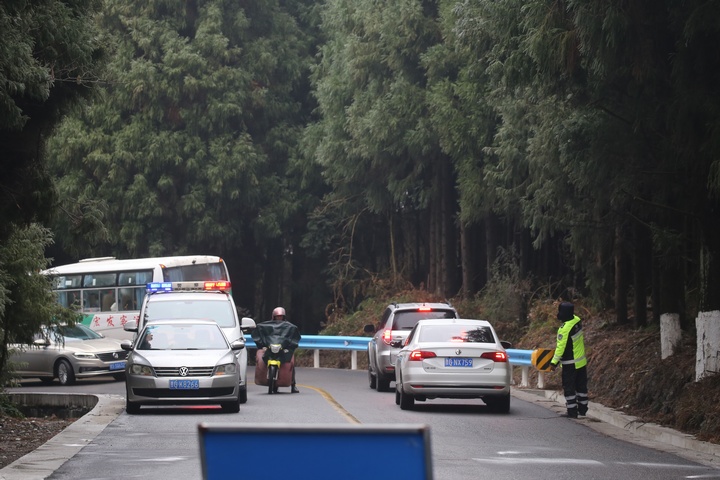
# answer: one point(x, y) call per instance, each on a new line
point(159, 287)
point(217, 285)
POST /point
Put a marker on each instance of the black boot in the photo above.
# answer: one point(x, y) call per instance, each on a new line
point(571, 413)
point(294, 389)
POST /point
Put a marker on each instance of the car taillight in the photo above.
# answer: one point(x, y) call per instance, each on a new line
point(495, 356)
point(424, 309)
point(418, 355)
point(387, 336)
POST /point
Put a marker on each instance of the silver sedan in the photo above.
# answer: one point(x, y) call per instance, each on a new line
point(175, 362)
point(453, 358)
point(68, 353)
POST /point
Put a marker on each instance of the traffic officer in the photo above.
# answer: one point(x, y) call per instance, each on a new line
point(570, 353)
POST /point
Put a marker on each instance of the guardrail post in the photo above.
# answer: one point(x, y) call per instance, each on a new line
point(525, 374)
point(353, 360)
point(316, 358)
point(541, 379)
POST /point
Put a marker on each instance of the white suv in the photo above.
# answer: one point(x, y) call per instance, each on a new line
point(197, 300)
point(394, 327)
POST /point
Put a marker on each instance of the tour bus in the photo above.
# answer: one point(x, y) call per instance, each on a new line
point(109, 292)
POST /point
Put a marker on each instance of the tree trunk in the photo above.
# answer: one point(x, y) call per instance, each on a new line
point(621, 283)
point(451, 277)
point(431, 251)
point(467, 266)
point(393, 253)
point(492, 240)
point(641, 261)
point(708, 320)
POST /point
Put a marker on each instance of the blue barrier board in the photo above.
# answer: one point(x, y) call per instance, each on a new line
point(313, 451)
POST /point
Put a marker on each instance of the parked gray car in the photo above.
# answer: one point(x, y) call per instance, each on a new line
point(68, 353)
point(182, 362)
point(392, 330)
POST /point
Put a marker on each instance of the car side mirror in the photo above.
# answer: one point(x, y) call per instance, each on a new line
point(41, 342)
point(237, 345)
point(369, 328)
point(126, 345)
point(505, 344)
point(130, 326)
point(247, 324)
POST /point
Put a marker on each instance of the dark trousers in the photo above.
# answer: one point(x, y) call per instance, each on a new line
point(575, 389)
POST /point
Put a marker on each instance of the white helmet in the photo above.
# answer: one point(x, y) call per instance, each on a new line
point(278, 312)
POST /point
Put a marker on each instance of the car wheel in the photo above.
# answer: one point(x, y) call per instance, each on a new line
point(243, 394)
point(383, 385)
point(499, 404)
point(132, 407)
point(65, 373)
point(231, 407)
point(407, 402)
point(373, 379)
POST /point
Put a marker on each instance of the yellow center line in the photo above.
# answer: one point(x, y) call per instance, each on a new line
point(350, 418)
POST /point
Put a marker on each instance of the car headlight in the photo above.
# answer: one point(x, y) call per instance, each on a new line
point(227, 369)
point(145, 370)
point(84, 356)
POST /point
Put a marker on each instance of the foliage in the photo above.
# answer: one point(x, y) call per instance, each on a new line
point(26, 297)
point(507, 294)
point(8, 407)
point(192, 144)
point(49, 56)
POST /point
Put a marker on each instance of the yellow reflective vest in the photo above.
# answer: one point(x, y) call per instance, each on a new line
point(570, 348)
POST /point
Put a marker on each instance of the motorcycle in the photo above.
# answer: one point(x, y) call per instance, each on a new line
point(270, 370)
point(274, 362)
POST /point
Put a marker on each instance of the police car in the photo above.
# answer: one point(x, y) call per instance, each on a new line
point(197, 300)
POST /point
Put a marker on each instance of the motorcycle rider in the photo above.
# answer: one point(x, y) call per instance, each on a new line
point(282, 330)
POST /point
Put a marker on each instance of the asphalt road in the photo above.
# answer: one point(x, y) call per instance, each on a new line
point(466, 440)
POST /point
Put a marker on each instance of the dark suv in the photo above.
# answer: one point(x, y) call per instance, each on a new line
point(397, 321)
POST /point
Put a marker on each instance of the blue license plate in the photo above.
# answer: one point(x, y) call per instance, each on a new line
point(117, 366)
point(458, 362)
point(184, 384)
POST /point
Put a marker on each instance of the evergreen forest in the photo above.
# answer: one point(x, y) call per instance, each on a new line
point(324, 148)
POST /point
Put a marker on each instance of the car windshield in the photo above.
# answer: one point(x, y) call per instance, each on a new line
point(76, 332)
point(456, 333)
point(182, 337)
point(218, 311)
point(407, 320)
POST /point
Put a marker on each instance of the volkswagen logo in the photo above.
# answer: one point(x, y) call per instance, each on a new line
point(184, 371)
point(458, 352)
point(115, 355)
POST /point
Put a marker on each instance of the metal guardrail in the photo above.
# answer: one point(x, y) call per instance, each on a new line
point(519, 358)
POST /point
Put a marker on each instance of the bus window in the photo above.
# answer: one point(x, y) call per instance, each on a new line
point(68, 281)
point(202, 271)
point(135, 278)
point(109, 303)
point(99, 280)
point(91, 300)
point(131, 298)
point(69, 299)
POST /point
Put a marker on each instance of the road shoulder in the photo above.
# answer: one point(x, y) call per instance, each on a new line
point(42, 462)
point(628, 428)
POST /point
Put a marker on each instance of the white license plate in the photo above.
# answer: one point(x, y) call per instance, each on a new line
point(458, 362)
point(184, 384)
point(117, 366)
